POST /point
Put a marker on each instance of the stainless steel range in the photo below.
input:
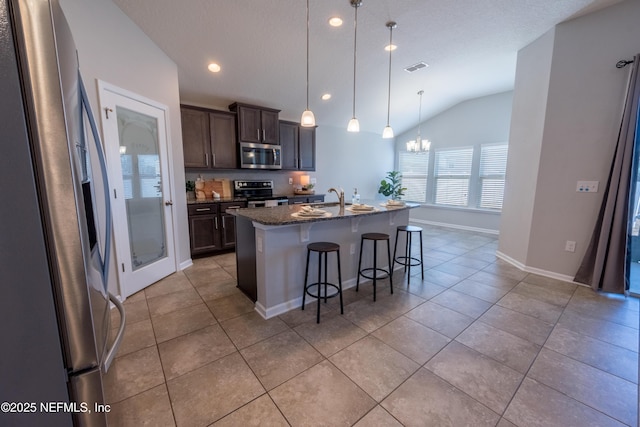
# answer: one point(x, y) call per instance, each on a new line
point(259, 193)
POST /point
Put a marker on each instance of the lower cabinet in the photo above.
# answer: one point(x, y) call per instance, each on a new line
point(298, 200)
point(211, 229)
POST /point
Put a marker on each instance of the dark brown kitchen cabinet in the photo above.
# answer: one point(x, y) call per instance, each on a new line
point(211, 228)
point(298, 146)
point(256, 124)
point(208, 138)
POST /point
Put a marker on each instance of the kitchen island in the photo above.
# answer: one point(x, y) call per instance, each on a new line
point(271, 248)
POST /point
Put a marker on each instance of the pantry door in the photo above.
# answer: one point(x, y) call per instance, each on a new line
point(135, 135)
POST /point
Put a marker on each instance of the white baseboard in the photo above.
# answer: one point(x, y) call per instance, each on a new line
point(455, 226)
point(185, 264)
point(538, 271)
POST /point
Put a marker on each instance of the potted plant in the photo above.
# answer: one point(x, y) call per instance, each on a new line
point(191, 190)
point(392, 185)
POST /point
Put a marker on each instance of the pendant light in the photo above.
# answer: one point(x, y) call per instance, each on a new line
point(354, 125)
point(307, 119)
point(388, 132)
point(419, 145)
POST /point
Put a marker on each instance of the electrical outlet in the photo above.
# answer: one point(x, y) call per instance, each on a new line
point(312, 181)
point(587, 187)
point(570, 246)
point(290, 181)
point(352, 249)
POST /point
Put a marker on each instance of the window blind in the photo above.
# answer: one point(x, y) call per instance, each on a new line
point(415, 169)
point(493, 166)
point(452, 174)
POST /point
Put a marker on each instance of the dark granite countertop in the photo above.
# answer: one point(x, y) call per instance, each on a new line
point(288, 214)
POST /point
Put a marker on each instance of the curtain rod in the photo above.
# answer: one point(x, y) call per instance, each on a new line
point(623, 63)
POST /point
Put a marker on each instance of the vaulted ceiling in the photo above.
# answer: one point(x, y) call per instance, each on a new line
point(469, 45)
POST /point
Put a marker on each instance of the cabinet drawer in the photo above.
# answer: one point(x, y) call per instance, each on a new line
point(203, 209)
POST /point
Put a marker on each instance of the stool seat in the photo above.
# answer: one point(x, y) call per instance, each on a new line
point(372, 273)
point(407, 259)
point(320, 289)
point(375, 236)
point(323, 247)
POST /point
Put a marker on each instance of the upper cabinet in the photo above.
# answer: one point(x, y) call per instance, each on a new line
point(208, 138)
point(256, 124)
point(298, 146)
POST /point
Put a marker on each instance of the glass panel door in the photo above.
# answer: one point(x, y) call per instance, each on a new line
point(140, 163)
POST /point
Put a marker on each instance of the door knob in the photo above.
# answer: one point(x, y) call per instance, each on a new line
point(168, 203)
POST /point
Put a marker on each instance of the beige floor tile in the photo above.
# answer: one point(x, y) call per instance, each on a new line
point(368, 314)
point(423, 289)
point(321, 395)
point(532, 307)
point(441, 278)
point(378, 417)
point(297, 316)
point(173, 283)
point(251, 328)
point(553, 284)
point(482, 254)
point(518, 324)
point(280, 358)
point(585, 293)
point(504, 269)
point(470, 262)
point(514, 352)
point(201, 276)
point(537, 405)
point(132, 374)
point(543, 293)
point(489, 279)
point(212, 291)
point(261, 412)
point(445, 405)
point(505, 423)
point(440, 319)
point(412, 339)
point(209, 393)
point(182, 322)
point(188, 352)
point(459, 270)
point(607, 393)
point(489, 382)
point(230, 306)
point(374, 366)
point(135, 311)
point(606, 309)
point(609, 332)
point(151, 408)
point(462, 303)
point(599, 354)
point(136, 336)
point(164, 304)
point(330, 335)
point(484, 292)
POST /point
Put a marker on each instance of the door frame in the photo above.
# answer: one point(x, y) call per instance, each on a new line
point(108, 87)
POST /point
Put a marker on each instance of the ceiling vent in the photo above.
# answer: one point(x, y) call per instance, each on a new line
point(416, 67)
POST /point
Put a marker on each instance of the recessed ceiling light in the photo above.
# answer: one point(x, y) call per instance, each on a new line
point(393, 47)
point(335, 21)
point(213, 67)
point(326, 96)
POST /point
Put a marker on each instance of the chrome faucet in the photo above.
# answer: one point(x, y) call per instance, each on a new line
point(339, 194)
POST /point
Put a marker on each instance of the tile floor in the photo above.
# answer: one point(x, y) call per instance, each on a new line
point(477, 342)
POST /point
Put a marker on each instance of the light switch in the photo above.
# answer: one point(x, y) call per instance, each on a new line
point(587, 187)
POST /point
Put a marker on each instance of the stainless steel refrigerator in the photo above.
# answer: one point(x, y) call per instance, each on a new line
point(55, 324)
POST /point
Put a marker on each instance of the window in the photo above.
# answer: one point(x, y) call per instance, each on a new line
point(470, 176)
point(414, 168)
point(452, 175)
point(493, 165)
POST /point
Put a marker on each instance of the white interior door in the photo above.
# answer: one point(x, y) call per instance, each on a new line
point(136, 144)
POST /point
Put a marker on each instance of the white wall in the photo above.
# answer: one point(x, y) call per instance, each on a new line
point(113, 49)
point(581, 120)
point(476, 121)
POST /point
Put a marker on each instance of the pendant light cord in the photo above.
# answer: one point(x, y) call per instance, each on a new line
point(307, 54)
point(355, 45)
point(389, 92)
point(420, 115)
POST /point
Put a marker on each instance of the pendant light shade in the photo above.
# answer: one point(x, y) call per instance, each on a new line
point(388, 131)
point(354, 125)
point(307, 119)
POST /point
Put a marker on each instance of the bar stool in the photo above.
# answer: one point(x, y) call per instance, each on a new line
point(322, 248)
point(407, 260)
point(375, 238)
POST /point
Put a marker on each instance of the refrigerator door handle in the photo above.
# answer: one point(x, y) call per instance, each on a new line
point(111, 353)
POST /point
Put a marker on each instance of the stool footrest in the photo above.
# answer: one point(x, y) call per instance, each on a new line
point(406, 260)
point(320, 288)
point(382, 270)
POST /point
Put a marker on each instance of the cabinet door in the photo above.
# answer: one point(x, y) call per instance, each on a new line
point(223, 141)
point(297, 200)
point(270, 127)
point(249, 124)
point(204, 232)
point(289, 144)
point(228, 230)
point(307, 149)
point(196, 141)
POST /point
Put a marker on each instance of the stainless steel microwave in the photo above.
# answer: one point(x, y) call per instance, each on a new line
point(260, 156)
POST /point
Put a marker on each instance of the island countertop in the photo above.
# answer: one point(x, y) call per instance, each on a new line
point(288, 214)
